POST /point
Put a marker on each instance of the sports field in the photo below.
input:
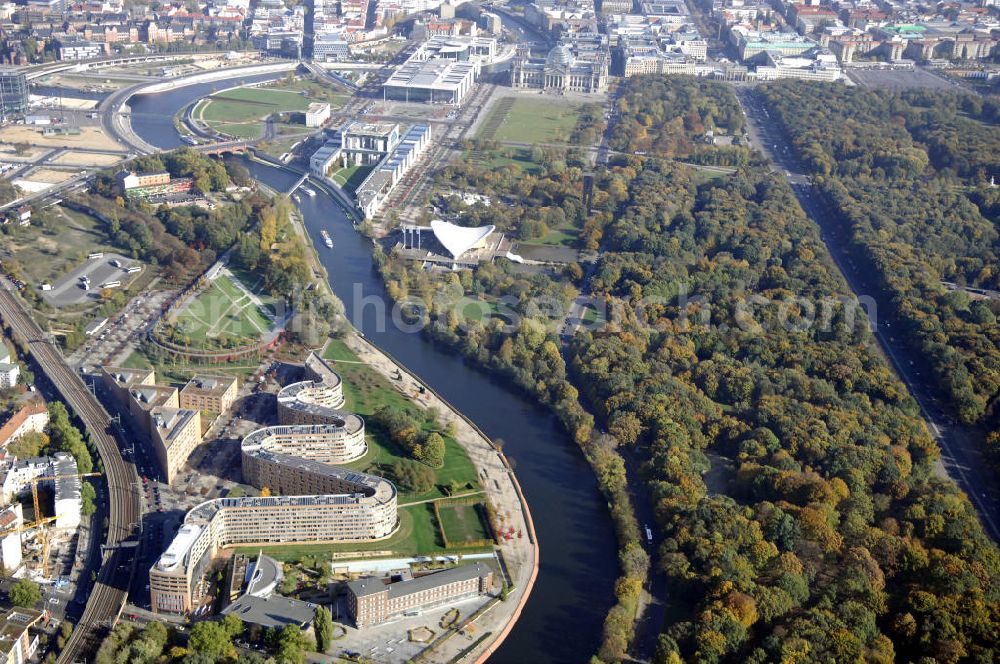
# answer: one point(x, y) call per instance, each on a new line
point(463, 523)
point(531, 120)
point(224, 309)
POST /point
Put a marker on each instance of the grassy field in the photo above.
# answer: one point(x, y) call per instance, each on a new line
point(365, 391)
point(480, 309)
point(463, 523)
point(530, 121)
point(349, 178)
point(243, 104)
point(518, 158)
point(222, 309)
point(561, 236)
point(592, 315)
point(239, 112)
point(703, 174)
point(47, 254)
point(247, 130)
point(313, 89)
point(279, 146)
point(338, 351)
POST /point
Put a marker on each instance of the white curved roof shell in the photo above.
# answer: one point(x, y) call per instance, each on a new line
point(459, 239)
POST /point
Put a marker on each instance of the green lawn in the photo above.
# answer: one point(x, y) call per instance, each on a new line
point(463, 523)
point(491, 160)
point(239, 112)
point(365, 391)
point(313, 89)
point(562, 236)
point(222, 310)
point(476, 309)
point(279, 146)
point(703, 174)
point(248, 130)
point(531, 120)
point(592, 315)
point(338, 350)
point(349, 178)
point(244, 104)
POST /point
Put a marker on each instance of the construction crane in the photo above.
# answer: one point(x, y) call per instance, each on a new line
point(26, 526)
point(34, 498)
point(36, 480)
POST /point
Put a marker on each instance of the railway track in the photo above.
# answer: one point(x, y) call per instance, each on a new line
point(117, 565)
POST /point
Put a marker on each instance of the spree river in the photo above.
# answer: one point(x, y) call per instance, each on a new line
point(578, 562)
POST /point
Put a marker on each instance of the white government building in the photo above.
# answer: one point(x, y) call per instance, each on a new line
point(375, 144)
point(441, 71)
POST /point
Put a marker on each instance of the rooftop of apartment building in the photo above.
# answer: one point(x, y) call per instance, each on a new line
point(209, 385)
point(368, 486)
point(13, 624)
point(152, 396)
point(18, 419)
point(168, 423)
point(125, 377)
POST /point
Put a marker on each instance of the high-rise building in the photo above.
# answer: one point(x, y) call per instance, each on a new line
point(13, 91)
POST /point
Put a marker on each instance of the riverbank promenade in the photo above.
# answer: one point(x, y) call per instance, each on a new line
point(500, 485)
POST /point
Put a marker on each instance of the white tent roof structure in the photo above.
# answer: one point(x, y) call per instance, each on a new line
point(459, 239)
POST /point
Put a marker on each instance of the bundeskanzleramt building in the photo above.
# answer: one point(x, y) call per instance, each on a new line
point(212, 393)
point(365, 514)
point(370, 601)
point(373, 193)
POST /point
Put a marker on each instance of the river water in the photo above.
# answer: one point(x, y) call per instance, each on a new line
point(578, 562)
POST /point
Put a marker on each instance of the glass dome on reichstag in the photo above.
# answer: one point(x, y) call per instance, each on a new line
point(560, 56)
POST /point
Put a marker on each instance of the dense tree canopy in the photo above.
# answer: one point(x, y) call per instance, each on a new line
point(909, 174)
point(672, 119)
point(792, 476)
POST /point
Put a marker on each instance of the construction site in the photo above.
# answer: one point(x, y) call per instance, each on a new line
point(44, 503)
point(39, 524)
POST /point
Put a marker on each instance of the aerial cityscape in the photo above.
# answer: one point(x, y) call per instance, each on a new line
point(520, 331)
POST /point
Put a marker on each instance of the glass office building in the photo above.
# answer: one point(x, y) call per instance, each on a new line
point(13, 91)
